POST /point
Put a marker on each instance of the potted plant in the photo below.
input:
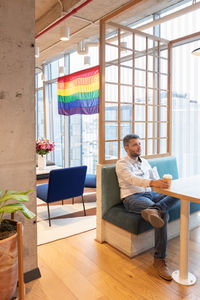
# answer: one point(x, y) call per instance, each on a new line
point(43, 147)
point(8, 240)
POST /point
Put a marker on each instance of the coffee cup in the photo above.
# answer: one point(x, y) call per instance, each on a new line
point(168, 177)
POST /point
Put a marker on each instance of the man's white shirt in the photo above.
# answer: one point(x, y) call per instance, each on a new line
point(134, 176)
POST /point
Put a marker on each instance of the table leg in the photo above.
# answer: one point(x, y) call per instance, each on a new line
point(183, 276)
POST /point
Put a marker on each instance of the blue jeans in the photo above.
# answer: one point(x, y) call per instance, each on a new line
point(137, 202)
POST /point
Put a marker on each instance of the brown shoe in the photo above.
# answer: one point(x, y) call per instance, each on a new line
point(152, 216)
point(162, 269)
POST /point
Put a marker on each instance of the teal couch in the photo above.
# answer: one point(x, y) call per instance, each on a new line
point(112, 209)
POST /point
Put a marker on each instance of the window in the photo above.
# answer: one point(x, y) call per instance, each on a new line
point(135, 92)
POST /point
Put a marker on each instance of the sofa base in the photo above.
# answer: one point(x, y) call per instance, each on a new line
point(132, 245)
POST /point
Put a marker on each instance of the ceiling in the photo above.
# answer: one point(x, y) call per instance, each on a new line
point(82, 17)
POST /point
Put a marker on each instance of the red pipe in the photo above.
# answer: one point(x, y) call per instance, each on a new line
point(62, 19)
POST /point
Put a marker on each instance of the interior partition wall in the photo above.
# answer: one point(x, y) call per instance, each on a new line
point(134, 91)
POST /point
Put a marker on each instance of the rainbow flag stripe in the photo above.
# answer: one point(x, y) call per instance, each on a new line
point(78, 93)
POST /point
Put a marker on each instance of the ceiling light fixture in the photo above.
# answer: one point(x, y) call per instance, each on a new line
point(87, 60)
point(37, 52)
point(61, 71)
point(65, 34)
point(41, 71)
point(196, 52)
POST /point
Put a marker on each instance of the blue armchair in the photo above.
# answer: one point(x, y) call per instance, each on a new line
point(63, 184)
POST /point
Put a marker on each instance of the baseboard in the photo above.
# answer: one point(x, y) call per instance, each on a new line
point(32, 275)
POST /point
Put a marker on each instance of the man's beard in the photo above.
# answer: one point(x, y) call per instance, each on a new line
point(133, 154)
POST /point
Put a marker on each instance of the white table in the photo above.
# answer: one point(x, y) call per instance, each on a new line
point(188, 190)
point(46, 170)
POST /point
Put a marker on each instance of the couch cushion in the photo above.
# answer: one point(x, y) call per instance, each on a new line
point(165, 165)
point(109, 187)
point(90, 180)
point(133, 223)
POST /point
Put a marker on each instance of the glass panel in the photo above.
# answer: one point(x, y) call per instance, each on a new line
point(163, 66)
point(111, 74)
point(90, 142)
point(111, 92)
point(123, 57)
point(163, 98)
point(111, 150)
point(150, 147)
point(39, 114)
point(163, 113)
point(140, 129)
point(150, 96)
point(125, 128)
point(140, 43)
point(111, 112)
point(140, 78)
point(150, 113)
point(111, 35)
point(55, 125)
point(128, 63)
point(140, 62)
point(150, 62)
point(126, 112)
point(150, 79)
point(122, 150)
point(139, 95)
point(163, 146)
point(75, 140)
point(163, 82)
point(111, 53)
point(139, 113)
point(126, 75)
point(39, 80)
point(143, 146)
point(163, 129)
point(111, 131)
point(126, 94)
point(164, 53)
point(127, 39)
point(53, 70)
point(150, 130)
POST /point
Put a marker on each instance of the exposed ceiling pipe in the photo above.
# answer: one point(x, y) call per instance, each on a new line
point(75, 10)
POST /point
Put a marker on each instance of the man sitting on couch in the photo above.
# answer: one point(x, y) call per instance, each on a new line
point(136, 177)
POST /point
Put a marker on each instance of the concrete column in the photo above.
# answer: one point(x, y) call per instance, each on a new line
point(17, 111)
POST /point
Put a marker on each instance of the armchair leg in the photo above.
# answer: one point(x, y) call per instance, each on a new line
point(48, 214)
point(72, 200)
point(83, 205)
point(62, 202)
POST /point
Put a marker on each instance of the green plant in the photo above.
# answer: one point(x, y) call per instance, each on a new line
point(13, 207)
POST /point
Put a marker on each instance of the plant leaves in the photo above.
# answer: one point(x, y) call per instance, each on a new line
point(12, 195)
point(11, 208)
point(10, 192)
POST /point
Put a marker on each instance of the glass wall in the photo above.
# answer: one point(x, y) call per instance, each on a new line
point(185, 93)
point(75, 136)
point(39, 105)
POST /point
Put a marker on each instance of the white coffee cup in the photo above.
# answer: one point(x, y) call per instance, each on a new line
point(168, 177)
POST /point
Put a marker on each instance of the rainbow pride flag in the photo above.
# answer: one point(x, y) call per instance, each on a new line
point(78, 93)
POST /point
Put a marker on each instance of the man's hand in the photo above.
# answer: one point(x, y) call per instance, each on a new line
point(160, 183)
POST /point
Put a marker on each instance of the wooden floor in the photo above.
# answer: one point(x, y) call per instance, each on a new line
point(78, 267)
